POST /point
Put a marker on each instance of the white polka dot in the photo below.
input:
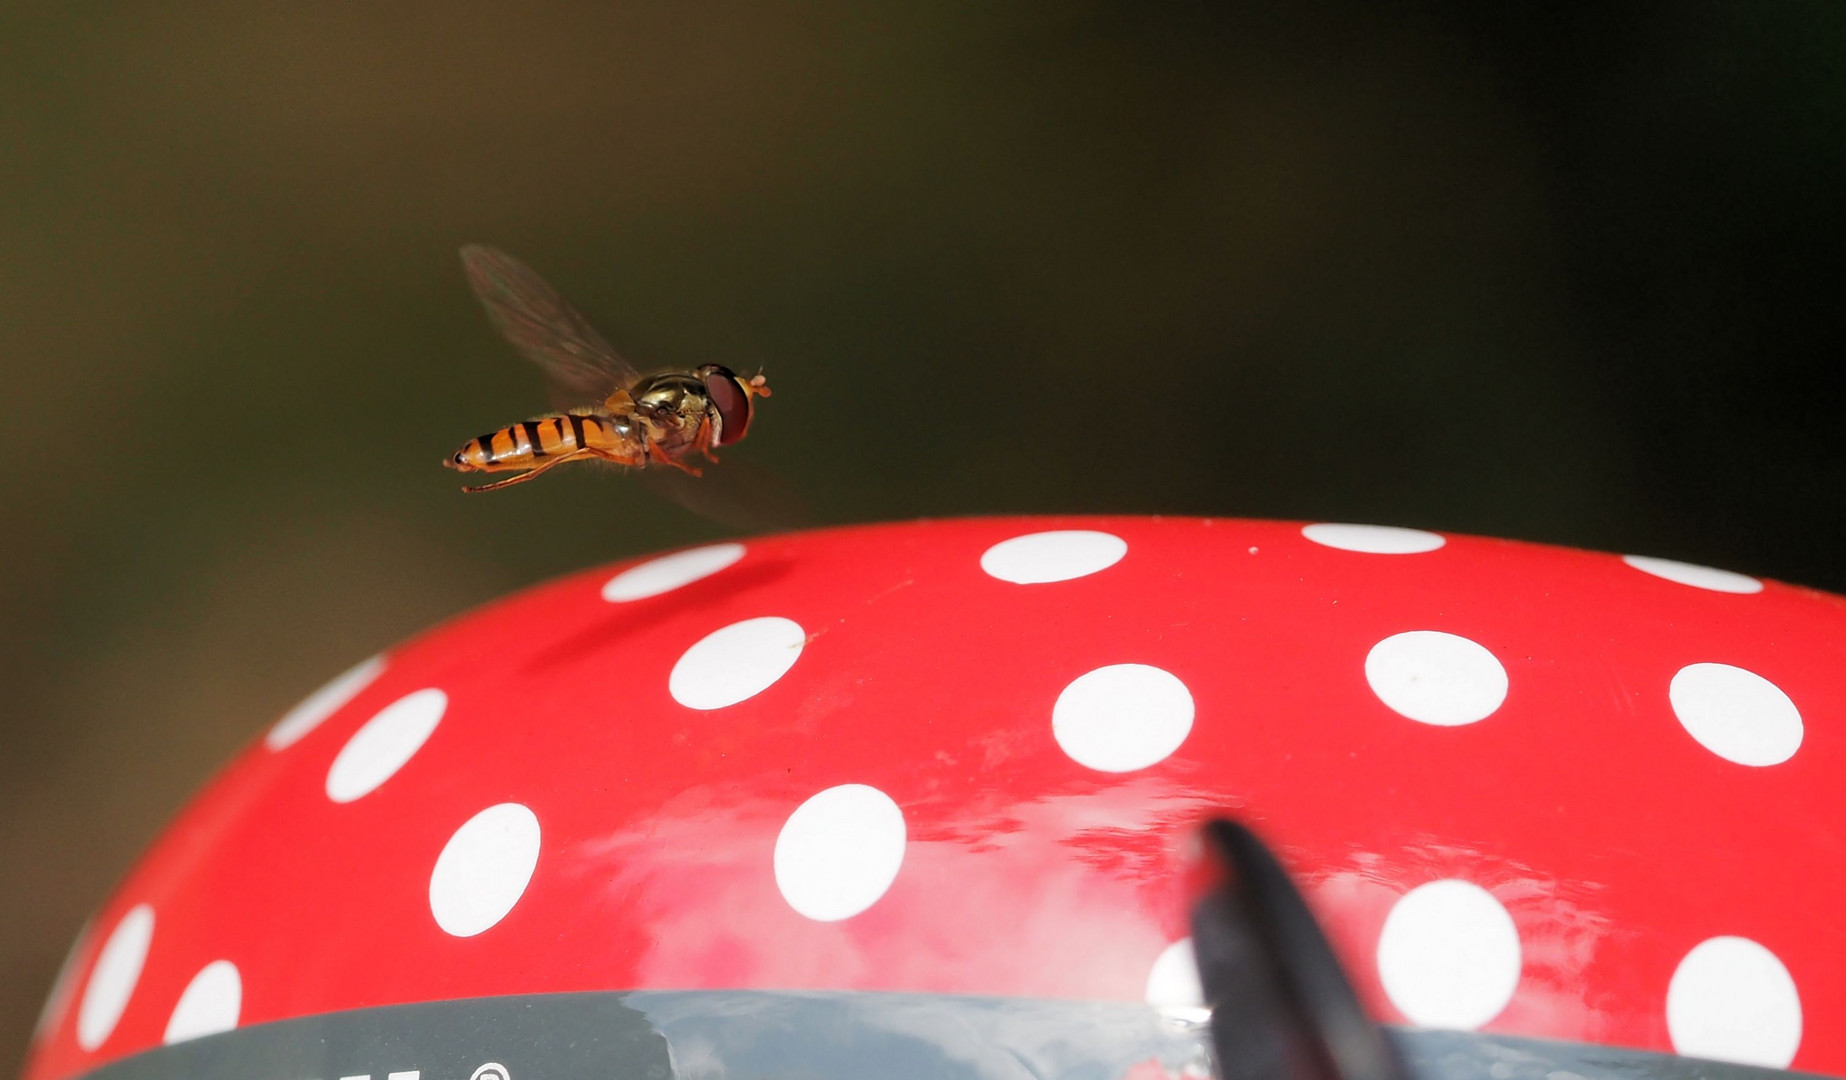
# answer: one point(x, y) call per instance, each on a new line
point(1736, 714)
point(52, 1012)
point(1703, 577)
point(1449, 955)
point(323, 703)
point(1436, 678)
point(839, 852)
point(209, 1004)
point(1122, 717)
point(1730, 999)
point(388, 740)
point(1173, 981)
point(113, 979)
point(669, 572)
point(1037, 558)
point(484, 869)
point(1373, 539)
point(736, 663)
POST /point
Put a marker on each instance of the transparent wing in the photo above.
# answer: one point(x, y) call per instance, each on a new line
point(735, 494)
point(578, 364)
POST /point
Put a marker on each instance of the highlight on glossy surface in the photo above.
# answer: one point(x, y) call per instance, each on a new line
point(881, 769)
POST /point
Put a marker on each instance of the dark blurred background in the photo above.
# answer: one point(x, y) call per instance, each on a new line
point(1564, 274)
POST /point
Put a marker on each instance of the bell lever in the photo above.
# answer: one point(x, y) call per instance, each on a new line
point(1282, 1008)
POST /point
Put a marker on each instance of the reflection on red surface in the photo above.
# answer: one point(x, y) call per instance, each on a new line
point(1152, 1069)
point(1614, 840)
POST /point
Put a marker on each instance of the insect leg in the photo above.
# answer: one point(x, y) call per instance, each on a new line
point(524, 476)
point(659, 456)
point(703, 440)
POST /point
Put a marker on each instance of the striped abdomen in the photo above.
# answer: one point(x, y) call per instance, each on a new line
point(527, 445)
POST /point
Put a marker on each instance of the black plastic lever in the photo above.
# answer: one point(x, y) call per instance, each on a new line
point(1282, 1008)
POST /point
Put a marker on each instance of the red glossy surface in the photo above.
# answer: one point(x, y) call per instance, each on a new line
point(1614, 839)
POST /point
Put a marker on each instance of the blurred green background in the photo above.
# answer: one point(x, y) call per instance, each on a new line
point(1565, 274)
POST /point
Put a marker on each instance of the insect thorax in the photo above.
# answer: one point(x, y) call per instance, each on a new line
point(673, 403)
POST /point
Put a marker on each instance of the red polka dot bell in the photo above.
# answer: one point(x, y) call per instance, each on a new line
point(1527, 790)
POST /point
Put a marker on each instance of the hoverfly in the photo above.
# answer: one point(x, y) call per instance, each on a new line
point(610, 411)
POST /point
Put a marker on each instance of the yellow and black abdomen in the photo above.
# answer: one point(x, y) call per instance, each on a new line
point(530, 444)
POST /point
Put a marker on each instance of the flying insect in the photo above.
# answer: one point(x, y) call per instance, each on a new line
point(609, 411)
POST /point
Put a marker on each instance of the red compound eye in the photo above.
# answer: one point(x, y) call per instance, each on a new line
point(732, 402)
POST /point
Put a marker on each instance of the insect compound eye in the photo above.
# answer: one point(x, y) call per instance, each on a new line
point(728, 397)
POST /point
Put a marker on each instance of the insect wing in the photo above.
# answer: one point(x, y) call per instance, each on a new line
point(735, 494)
point(578, 364)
